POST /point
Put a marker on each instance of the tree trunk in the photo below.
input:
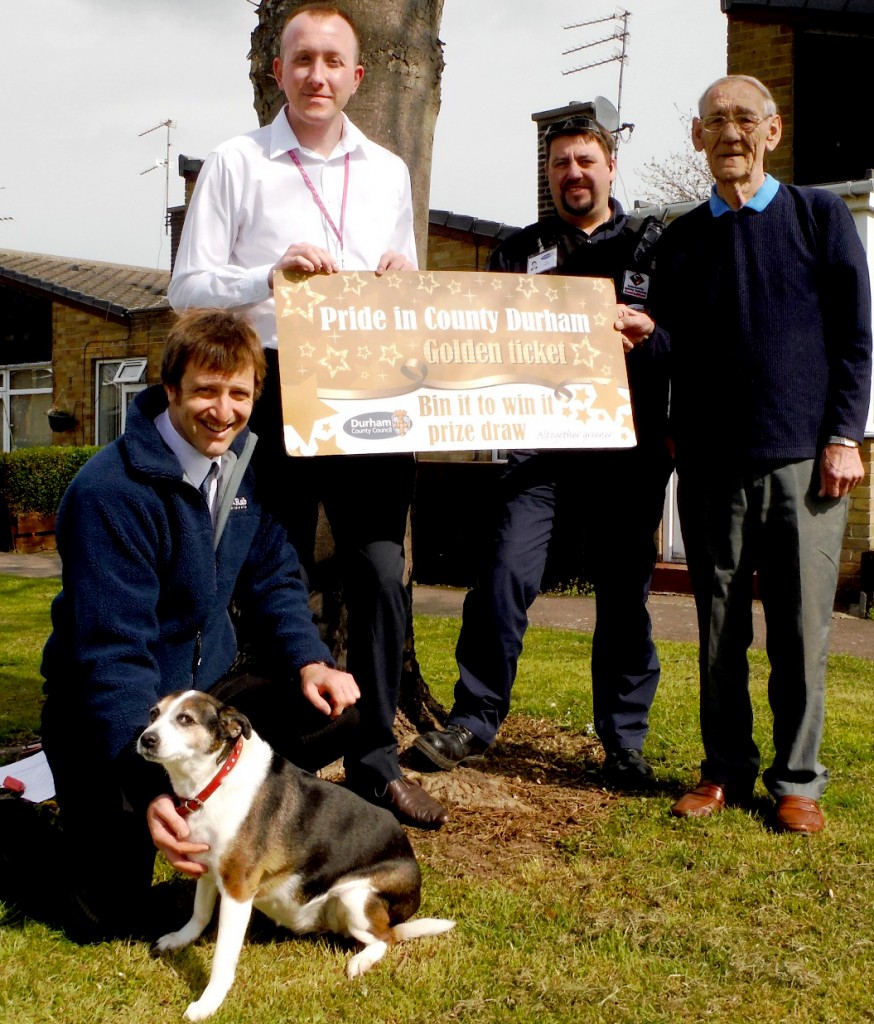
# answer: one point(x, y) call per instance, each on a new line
point(396, 106)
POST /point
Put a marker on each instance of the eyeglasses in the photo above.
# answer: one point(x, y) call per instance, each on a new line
point(745, 124)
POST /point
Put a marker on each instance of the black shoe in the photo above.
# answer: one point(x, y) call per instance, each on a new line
point(31, 855)
point(450, 747)
point(627, 769)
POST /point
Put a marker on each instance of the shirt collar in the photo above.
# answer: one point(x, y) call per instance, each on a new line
point(767, 191)
point(194, 465)
point(283, 139)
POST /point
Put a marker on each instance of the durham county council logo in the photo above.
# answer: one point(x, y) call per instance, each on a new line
point(375, 426)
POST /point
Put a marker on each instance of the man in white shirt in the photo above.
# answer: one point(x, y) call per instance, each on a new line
point(311, 193)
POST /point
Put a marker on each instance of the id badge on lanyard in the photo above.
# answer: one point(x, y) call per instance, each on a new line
point(543, 261)
point(317, 199)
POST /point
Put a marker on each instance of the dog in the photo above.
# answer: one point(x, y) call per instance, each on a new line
point(309, 854)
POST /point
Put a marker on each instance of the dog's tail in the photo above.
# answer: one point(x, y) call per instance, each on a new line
point(421, 927)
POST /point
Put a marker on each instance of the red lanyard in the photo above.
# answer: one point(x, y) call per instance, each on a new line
point(317, 199)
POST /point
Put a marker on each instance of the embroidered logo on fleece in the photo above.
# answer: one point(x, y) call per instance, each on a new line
point(240, 503)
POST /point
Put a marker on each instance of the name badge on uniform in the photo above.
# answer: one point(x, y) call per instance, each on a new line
point(635, 284)
point(540, 262)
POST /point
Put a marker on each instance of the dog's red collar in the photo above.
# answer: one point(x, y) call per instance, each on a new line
point(185, 807)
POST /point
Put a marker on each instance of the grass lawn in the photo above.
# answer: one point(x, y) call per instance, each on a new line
point(626, 915)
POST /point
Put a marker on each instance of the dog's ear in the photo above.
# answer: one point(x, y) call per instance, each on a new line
point(234, 723)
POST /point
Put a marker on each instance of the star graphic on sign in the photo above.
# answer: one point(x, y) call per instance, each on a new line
point(598, 285)
point(328, 446)
point(306, 350)
point(334, 361)
point(527, 286)
point(301, 291)
point(600, 319)
point(427, 283)
point(454, 287)
point(364, 352)
point(551, 294)
point(497, 284)
point(390, 354)
point(584, 354)
point(353, 283)
point(613, 402)
point(393, 280)
point(302, 408)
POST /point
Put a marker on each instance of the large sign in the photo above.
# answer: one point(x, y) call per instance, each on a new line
point(446, 361)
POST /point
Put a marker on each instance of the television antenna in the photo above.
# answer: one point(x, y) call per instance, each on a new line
point(165, 163)
point(621, 35)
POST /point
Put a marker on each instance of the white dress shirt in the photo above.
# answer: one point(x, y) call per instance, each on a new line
point(194, 465)
point(251, 203)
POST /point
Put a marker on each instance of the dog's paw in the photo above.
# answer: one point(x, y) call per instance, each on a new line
point(201, 1009)
point(364, 960)
point(173, 940)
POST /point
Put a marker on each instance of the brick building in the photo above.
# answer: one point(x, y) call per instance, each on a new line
point(78, 336)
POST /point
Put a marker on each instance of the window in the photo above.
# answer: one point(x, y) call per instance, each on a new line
point(116, 383)
point(831, 140)
point(25, 399)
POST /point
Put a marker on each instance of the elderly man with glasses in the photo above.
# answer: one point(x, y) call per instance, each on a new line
point(613, 498)
point(764, 295)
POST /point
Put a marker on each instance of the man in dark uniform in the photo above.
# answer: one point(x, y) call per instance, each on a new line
point(616, 496)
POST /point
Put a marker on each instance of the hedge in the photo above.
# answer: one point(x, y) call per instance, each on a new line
point(34, 479)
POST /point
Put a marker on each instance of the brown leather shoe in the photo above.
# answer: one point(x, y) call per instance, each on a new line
point(413, 805)
point(705, 799)
point(799, 814)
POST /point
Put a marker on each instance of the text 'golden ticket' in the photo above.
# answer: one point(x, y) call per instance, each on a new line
point(448, 361)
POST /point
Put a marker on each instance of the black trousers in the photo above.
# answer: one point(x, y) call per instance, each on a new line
point(366, 499)
point(104, 852)
point(615, 498)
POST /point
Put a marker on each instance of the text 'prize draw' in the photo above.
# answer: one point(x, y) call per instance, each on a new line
point(443, 361)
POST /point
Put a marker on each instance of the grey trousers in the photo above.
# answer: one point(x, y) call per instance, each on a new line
point(772, 523)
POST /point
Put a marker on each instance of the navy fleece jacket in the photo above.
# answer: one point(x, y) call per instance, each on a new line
point(144, 605)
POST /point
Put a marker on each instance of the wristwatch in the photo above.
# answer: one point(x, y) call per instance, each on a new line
point(847, 442)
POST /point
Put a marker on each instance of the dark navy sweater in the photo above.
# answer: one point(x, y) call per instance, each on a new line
point(769, 322)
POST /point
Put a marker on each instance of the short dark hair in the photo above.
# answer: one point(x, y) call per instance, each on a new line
point(588, 127)
point(216, 339)
point(322, 10)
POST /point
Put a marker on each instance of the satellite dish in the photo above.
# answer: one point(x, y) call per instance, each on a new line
point(606, 114)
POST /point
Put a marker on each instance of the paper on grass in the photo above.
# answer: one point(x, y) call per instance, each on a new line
point(36, 775)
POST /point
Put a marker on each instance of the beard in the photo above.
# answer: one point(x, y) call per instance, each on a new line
point(576, 206)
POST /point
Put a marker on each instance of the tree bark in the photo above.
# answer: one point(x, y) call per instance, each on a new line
point(396, 106)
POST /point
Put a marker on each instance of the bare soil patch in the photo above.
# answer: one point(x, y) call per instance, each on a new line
point(538, 784)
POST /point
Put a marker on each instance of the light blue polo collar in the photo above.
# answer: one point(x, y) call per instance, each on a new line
point(760, 200)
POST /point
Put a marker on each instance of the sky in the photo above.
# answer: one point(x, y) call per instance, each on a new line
point(82, 82)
